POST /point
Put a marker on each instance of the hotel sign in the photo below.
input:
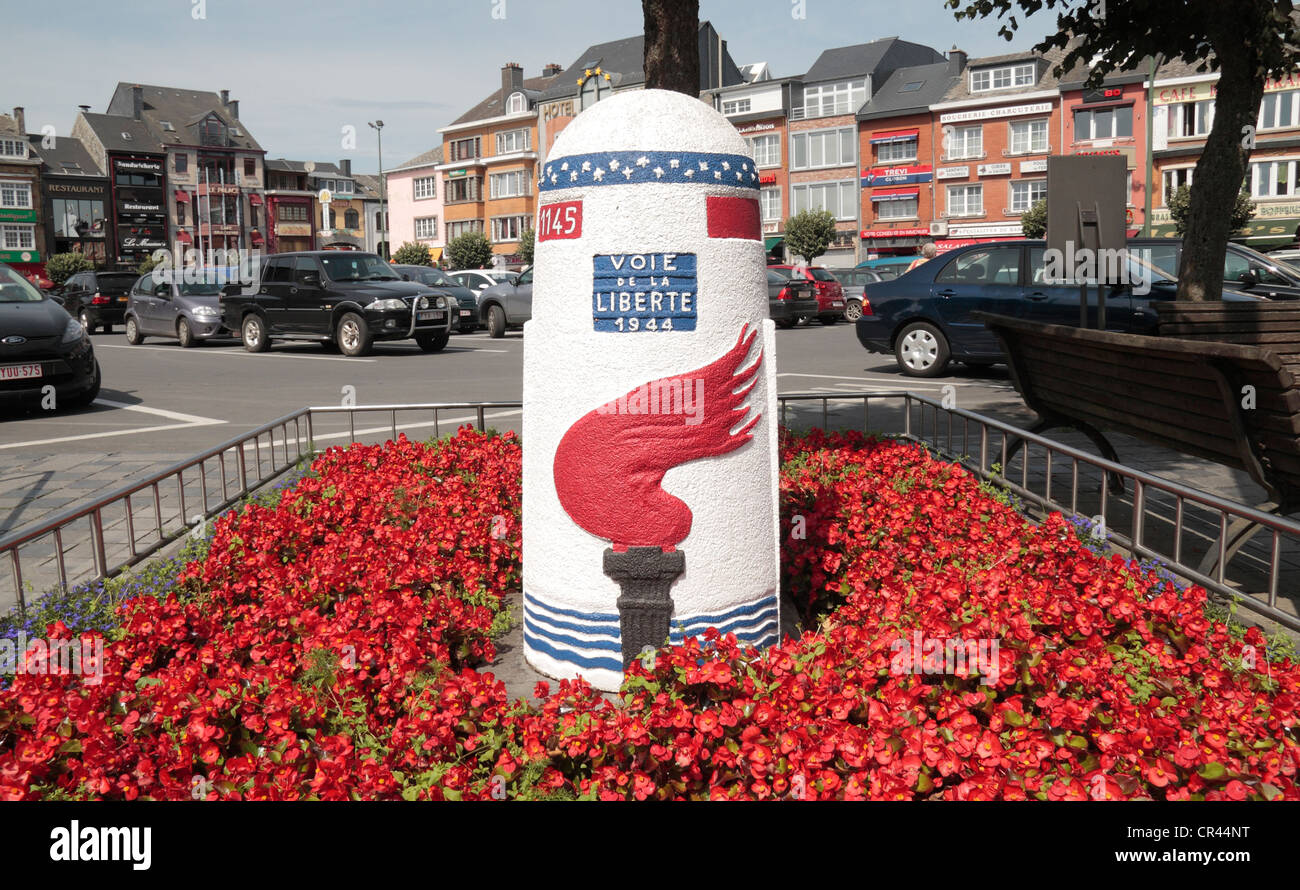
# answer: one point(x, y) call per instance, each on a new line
point(552, 110)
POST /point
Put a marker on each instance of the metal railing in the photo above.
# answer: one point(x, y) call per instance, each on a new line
point(981, 444)
point(206, 483)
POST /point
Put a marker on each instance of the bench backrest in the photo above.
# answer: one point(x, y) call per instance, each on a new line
point(1187, 395)
point(1271, 325)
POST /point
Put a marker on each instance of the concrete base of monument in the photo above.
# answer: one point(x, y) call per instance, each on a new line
point(520, 677)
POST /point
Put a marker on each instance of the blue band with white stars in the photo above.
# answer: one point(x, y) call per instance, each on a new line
point(621, 167)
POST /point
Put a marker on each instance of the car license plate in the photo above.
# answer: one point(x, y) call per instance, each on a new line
point(429, 315)
point(122, 299)
point(19, 372)
point(465, 312)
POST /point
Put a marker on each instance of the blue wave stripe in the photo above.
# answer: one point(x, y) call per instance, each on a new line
point(737, 626)
point(740, 611)
point(597, 617)
point(639, 167)
point(569, 657)
point(558, 625)
point(575, 642)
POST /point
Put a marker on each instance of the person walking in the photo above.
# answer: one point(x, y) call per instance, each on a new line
point(928, 252)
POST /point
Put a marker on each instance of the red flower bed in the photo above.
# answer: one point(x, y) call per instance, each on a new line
point(325, 648)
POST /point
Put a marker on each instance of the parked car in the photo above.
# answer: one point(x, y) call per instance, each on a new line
point(185, 311)
point(42, 345)
point(889, 267)
point(789, 299)
point(508, 304)
point(854, 282)
point(829, 293)
point(1289, 255)
point(466, 319)
point(97, 299)
point(479, 280)
point(1244, 269)
point(348, 298)
point(923, 317)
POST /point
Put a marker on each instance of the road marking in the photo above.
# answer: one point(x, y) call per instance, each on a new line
point(902, 384)
point(187, 421)
point(228, 352)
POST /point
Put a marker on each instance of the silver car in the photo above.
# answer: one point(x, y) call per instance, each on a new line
point(179, 310)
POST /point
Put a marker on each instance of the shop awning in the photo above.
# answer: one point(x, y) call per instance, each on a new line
point(182, 197)
point(255, 200)
point(256, 238)
point(1268, 233)
point(770, 243)
point(899, 194)
point(894, 136)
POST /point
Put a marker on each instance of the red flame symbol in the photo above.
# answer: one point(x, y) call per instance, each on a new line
point(610, 465)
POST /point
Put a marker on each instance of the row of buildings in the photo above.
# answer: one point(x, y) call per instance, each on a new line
point(902, 143)
point(169, 167)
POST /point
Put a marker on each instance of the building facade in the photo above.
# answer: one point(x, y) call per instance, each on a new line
point(291, 216)
point(75, 199)
point(22, 229)
point(136, 168)
point(415, 199)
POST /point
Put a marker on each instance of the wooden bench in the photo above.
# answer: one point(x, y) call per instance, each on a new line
point(1187, 395)
point(1274, 326)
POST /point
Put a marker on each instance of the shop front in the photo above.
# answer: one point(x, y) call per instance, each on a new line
point(877, 243)
point(76, 217)
point(139, 209)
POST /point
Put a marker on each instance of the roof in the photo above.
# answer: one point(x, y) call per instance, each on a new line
point(425, 159)
point(123, 134)
point(65, 157)
point(286, 166)
point(492, 106)
point(183, 109)
point(874, 58)
point(900, 94)
point(1046, 80)
point(367, 185)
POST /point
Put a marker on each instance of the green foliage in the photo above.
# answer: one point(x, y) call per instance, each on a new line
point(62, 266)
point(1034, 220)
point(412, 254)
point(471, 250)
point(527, 242)
point(1180, 205)
point(147, 265)
point(809, 232)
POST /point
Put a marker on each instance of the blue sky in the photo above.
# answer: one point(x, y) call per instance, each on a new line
point(304, 70)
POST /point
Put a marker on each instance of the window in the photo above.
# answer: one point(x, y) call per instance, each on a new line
point(1027, 193)
point(180, 214)
point(381, 222)
point(824, 148)
point(343, 187)
point(455, 229)
point(509, 228)
point(13, 148)
point(466, 188)
point(181, 163)
point(1174, 179)
point(845, 97)
point(765, 150)
point(1003, 78)
point(514, 140)
point(736, 106)
point(1103, 123)
point(250, 166)
point(1273, 179)
point(966, 200)
point(901, 209)
point(291, 212)
point(332, 220)
point(426, 227)
point(894, 152)
point(769, 202)
point(996, 265)
point(464, 149)
point(964, 143)
point(1190, 119)
point(14, 237)
point(351, 219)
point(517, 103)
point(508, 185)
point(424, 187)
point(1279, 110)
point(75, 218)
point(16, 195)
point(212, 132)
point(840, 198)
point(1029, 137)
point(594, 89)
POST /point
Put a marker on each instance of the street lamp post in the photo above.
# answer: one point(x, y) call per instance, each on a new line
point(378, 126)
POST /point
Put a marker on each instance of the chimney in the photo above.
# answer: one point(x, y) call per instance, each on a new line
point(551, 70)
point(21, 119)
point(225, 97)
point(85, 109)
point(956, 61)
point(512, 81)
point(233, 107)
point(137, 102)
point(345, 167)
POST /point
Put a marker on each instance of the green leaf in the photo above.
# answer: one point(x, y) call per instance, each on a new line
point(1212, 771)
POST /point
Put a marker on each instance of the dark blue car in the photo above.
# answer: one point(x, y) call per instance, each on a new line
point(924, 317)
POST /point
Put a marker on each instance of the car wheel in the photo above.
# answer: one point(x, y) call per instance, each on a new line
point(496, 322)
point(432, 342)
point(133, 335)
point(253, 331)
point(853, 311)
point(84, 318)
point(828, 320)
point(921, 350)
point(353, 335)
point(787, 323)
point(184, 333)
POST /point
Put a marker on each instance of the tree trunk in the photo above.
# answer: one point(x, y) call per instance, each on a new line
point(1223, 164)
point(672, 45)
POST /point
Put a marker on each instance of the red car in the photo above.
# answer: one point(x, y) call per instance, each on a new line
point(829, 292)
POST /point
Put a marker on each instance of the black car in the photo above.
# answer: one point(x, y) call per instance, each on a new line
point(347, 298)
point(466, 319)
point(789, 299)
point(1244, 269)
point(97, 299)
point(42, 345)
